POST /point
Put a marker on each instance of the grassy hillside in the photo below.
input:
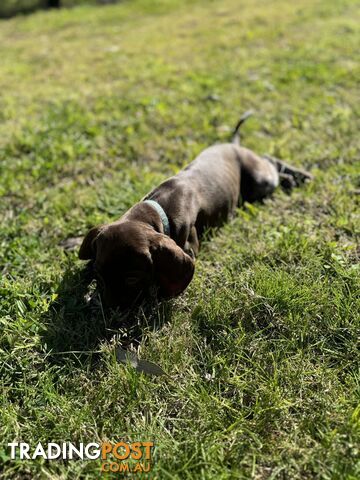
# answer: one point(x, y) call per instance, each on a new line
point(98, 105)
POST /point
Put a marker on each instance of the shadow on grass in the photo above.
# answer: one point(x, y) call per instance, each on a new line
point(77, 323)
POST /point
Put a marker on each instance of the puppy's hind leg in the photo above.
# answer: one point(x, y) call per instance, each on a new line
point(259, 177)
point(289, 176)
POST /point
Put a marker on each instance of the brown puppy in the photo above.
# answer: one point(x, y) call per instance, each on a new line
point(155, 242)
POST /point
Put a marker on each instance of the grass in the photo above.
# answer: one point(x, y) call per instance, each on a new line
point(98, 105)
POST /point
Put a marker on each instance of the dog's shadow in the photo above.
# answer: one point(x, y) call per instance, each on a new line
point(78, 324)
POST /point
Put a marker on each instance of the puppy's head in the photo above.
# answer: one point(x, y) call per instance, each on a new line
point(130, 256)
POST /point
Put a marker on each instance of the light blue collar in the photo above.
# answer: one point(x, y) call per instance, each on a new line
point(163, 216)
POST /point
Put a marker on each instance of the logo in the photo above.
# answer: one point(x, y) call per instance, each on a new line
point(119, 457)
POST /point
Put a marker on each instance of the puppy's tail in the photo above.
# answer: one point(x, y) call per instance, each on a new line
point(236, 135)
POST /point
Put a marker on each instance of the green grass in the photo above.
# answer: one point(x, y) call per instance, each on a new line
point(98, 105)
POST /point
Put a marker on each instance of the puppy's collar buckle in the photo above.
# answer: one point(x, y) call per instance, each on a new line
point(163, 216)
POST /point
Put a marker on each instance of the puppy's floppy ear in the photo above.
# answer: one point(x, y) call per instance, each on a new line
point(173, 267)
point(87, 250)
